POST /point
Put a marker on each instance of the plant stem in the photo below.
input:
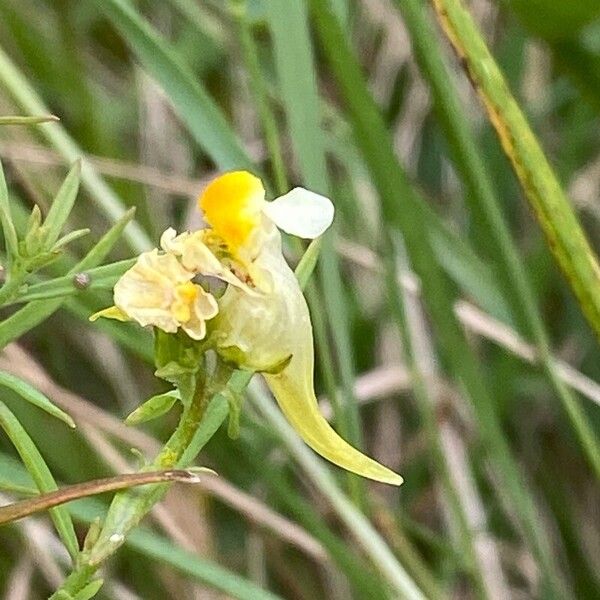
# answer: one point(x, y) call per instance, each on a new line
point(128, 508)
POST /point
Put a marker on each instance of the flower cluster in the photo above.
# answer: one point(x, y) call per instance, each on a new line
point(261, 322)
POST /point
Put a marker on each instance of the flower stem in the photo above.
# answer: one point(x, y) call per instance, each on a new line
point(129, 507)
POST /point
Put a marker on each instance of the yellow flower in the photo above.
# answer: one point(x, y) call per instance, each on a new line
point(271, 331)
point(234, 206)
point(158, 291)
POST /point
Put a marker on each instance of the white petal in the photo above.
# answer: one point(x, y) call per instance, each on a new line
point(301, 213)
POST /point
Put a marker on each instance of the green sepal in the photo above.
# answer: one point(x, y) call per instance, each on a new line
point(92, 535)
point(177, 348)
point(177, 358)
point(153, 408)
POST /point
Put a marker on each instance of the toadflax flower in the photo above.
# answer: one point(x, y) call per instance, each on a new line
point(158, 291)
point(271, 331)
point(261, 322)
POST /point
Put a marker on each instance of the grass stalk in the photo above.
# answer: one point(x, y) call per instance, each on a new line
point(392, 185)
point(485, 204)
point(556, 217)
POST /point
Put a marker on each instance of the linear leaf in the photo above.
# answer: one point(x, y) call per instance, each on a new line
point(40, 473)
point(565, 237)
point(35, 397)
point(62, 205)
point(153, 408)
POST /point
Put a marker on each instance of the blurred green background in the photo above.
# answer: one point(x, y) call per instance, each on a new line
point(500, 499)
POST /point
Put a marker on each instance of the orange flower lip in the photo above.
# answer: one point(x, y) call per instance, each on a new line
point(232, 206)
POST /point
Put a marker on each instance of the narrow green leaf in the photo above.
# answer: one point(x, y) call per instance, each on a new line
point(308, 262)
point(28, 120)
point(8, 227)
point(153, 408)
point(565, 237)
point(35, 312)
point(35, 397)
point(100, 278)
point(62, 205)
point(90, 590)
point(201, 115)
point(69, 238)
point(39, 471)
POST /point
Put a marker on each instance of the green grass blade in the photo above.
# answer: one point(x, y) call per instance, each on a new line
point(566, 239)
point(28, 99)
point(201, 115)
point(40, 473)
point(35, 397)
point(486, 206)
point(393, 186)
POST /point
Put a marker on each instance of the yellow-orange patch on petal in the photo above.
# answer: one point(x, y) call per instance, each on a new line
point(232, 206)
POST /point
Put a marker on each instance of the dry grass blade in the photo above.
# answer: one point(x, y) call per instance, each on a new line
point(482, 324)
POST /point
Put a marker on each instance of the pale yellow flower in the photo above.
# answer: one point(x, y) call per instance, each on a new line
point(262, 321)
point(271, 331)
point(158, 291)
